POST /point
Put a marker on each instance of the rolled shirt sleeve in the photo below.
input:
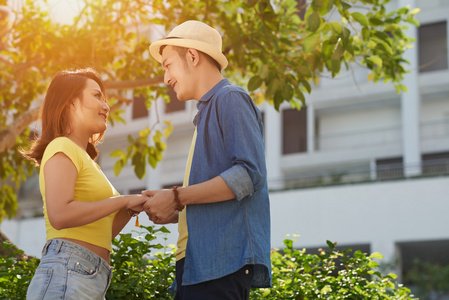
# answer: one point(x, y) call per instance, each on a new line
point(239, 181)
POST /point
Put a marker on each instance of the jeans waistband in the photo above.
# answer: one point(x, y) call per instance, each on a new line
point(59, 245)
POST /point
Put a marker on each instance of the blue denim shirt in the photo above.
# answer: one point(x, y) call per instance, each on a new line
point(225, 236)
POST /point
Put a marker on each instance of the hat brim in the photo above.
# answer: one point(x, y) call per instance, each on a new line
point(188, 43)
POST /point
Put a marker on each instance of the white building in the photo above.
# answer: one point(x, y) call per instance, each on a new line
point(360, 165)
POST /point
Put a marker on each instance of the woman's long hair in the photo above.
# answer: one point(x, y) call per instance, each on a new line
point(65, 86)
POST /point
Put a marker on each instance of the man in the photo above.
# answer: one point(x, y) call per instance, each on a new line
point(224, 229)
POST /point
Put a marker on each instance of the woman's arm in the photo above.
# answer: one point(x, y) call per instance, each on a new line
point(120, 220)
point(63, 212)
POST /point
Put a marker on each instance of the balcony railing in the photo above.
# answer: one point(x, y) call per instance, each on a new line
point(349, 174)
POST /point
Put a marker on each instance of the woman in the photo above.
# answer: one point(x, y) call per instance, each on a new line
point(83, 212)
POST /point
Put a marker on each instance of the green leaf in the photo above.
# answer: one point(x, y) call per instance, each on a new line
point(359, 17)
point(265, 292)
point(314, 21)
point(152, 161)
point(118, 167)
point(264, 71)
point(330, 244)
point(336, 27)
point(272, 88)
point(345, 5)
point(376, 255)
point(254, 83)
point(117, 153)
point(413, 21)
point(139, 170)
point(317, 4)
point(326, 289)
point(376, 59)
point(335, 67)
point(307, 268)
point(144, 132)
point(288, 243)
point(161, 146)
point(415, 11)
point(392, 276)
point(338, 53)
point(375, 21)
point(311, 41)
point(306, 84)
point(372, 264)
point(169, 129)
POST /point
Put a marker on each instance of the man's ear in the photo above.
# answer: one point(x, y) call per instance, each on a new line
point(193, 56)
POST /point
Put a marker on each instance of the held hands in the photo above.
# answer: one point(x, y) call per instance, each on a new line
point(136, 202)
point(161, 208)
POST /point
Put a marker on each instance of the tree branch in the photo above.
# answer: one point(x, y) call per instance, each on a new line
point(9, 135)
point(132, 84)
point(120, 99)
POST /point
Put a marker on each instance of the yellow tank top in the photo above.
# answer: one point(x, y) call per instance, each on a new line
point(182, 221)
point(91, 185)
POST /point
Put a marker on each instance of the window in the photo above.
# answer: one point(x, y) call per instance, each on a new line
point(435, 163)
point(423, 264)
point(432, 47)
point(294, 130)
point(139, 108)
point(390, 168)
point(175, 104)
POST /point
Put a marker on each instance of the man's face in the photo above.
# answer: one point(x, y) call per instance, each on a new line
point(178, 74)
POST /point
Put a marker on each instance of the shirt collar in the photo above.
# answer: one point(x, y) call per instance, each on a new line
point(208, 96)
point(213, 90)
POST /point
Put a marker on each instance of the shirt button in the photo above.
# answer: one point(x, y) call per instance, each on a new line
point(246, 272)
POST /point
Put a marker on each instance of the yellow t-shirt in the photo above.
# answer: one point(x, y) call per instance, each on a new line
point(91, 185)
point(182, 221)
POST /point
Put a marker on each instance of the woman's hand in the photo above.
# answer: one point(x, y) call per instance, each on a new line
point(136, 202)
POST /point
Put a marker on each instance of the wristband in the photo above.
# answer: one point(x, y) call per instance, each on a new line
point(178, 202)
point(134, 213)
point(131, 212)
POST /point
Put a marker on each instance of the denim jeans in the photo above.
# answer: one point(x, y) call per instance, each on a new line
point(69, 271)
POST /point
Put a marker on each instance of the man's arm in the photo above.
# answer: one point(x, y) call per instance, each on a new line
point(162, 203)
point(213, 190)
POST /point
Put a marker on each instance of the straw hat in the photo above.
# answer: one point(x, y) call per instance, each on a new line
point(195, 35)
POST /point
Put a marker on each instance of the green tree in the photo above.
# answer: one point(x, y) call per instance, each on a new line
point(279, 48)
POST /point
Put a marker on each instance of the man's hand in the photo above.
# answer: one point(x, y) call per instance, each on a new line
point(161, 206)
point(171, 219)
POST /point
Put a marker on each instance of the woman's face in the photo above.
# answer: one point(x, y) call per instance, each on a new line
point(91, 111)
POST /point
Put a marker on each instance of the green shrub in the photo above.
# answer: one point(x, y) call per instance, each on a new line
point(329, 275)
point(145, 270)
point(16, 272)
point(139, 272)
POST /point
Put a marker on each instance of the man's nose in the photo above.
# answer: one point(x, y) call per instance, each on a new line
point(167, 78)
